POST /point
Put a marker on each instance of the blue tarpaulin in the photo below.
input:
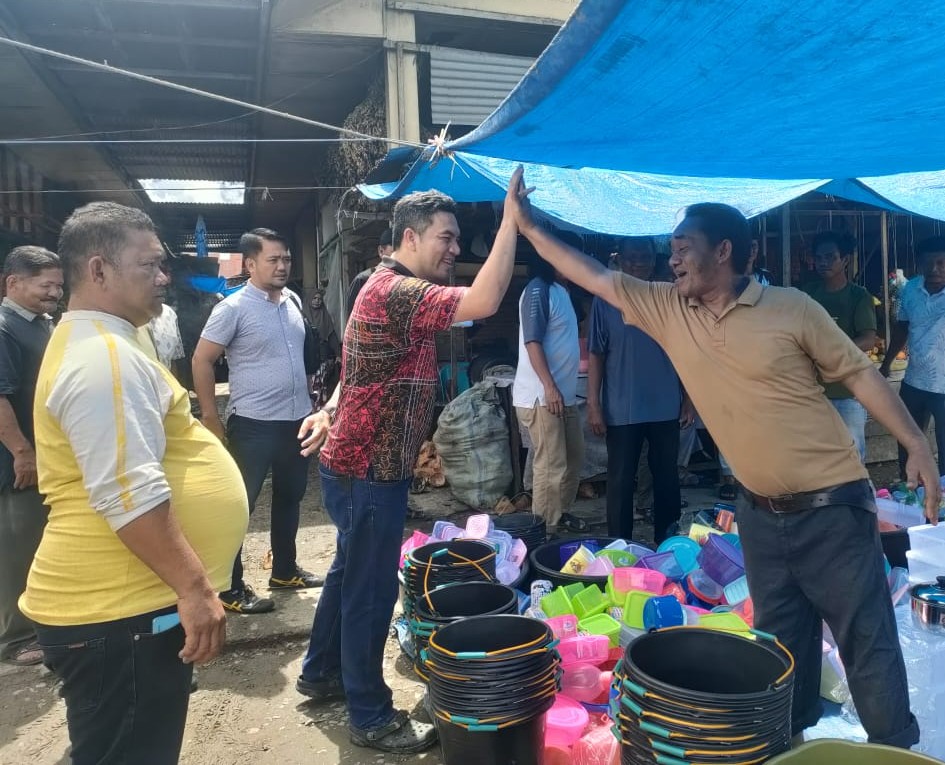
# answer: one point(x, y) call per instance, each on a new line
point(732, 88)
point(638, 109)
point(603, 201)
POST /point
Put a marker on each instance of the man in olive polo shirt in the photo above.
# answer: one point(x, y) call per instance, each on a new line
point(851, 307)
point(749, 356)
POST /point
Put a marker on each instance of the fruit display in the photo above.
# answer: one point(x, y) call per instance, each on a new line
point(877, 355)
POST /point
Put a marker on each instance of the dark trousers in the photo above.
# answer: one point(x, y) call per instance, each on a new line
point(22, 521)
point(826, 564)
point(353, 616)
point(624, 444)
point(126, 690)
point(923, 405)
point(257, 446)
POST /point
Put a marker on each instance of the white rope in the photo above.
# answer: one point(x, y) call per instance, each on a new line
point(196, 91)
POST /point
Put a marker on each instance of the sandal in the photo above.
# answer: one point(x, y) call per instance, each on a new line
point(572, 522)
point(27, 655)
point(400, 736)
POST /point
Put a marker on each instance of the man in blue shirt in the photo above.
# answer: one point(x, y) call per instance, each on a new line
point(921, 324)
point(545, 393)
point(634, 395)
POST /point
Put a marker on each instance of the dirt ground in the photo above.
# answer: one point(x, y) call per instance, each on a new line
point(246, 709)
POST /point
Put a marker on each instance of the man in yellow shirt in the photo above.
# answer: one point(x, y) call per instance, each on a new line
point(147, 508)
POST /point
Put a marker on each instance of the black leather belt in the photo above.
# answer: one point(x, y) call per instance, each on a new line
point(858, 493)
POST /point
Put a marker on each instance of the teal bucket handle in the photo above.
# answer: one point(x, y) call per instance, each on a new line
point(483, 728)
point(764, 635)
point(637, 690)
point(664, 760)
point(661, 746)
point(656, 730)
point(462, 720)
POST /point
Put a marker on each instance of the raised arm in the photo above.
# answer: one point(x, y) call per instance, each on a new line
point(576, 267)
point(484, 296)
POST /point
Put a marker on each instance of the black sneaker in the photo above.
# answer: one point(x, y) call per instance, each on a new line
point(246, 601)
point(301, 580)
point(321, 690)
point(402, 735)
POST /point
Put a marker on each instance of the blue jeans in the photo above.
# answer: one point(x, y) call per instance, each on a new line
point(126, 689)
point(257, 445)
point(853, 415)
point(353, 615)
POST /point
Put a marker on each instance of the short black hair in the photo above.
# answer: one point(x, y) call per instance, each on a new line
point(251, 243)
point(927, 246)
point(29, 260)
point(539, 268)
point(719, 222)
point(415, 211)
point(98, 228)
point(845, 242)
point(634, 243)
point(386, 239)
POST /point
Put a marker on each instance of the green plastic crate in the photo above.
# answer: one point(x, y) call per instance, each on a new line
point(602, 624)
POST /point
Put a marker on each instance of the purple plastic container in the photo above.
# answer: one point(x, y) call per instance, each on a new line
point(721, 560)
point(665, 563)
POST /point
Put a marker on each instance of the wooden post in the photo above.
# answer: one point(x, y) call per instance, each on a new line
point(884, 241)
point(786, 245)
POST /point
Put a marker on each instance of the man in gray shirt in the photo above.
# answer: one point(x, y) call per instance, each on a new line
point(33, 281)
point(262, 331)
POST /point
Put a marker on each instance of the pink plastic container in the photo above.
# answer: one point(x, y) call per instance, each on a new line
point(565, 722)
point(564, 626)
point(626, 579)
point(584, 649)
point(597, 746)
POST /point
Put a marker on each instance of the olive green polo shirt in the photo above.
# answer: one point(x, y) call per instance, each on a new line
point(752, 374)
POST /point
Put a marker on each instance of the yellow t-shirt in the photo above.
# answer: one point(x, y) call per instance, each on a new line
point(114, 439)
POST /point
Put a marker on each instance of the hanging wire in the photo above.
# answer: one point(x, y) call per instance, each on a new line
point(212, 123)
point(174, 188)
point(197, 92)
point(175, 141)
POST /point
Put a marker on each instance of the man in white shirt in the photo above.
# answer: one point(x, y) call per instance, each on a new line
point(545, 393)
point(921, 324)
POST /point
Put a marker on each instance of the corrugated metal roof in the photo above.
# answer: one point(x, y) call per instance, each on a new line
point(466, 86)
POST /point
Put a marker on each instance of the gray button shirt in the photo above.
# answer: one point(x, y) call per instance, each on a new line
point(264, 343)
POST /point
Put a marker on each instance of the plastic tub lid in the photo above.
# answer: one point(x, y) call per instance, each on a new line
point(567, 717)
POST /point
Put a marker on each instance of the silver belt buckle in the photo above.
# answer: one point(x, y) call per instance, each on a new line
point(772, 500)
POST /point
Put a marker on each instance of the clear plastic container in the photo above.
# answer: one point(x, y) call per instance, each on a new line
point(928, 543)
point(598, 746)
point(581, 682)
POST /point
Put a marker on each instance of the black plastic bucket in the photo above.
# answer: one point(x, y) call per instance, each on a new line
point(546, 562)
point(702, 697)
point(528, 527)
point(458, 601)
point(439, 563)
point(489, 634)
point(707, 666)
point(522, 744)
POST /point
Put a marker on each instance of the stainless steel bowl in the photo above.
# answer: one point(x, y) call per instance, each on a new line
point(928, 605)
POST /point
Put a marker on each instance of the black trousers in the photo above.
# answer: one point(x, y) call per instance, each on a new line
point(257, 446)
point(826, 564)
point(624, 444)
point(126, 689)
point(924, 405)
